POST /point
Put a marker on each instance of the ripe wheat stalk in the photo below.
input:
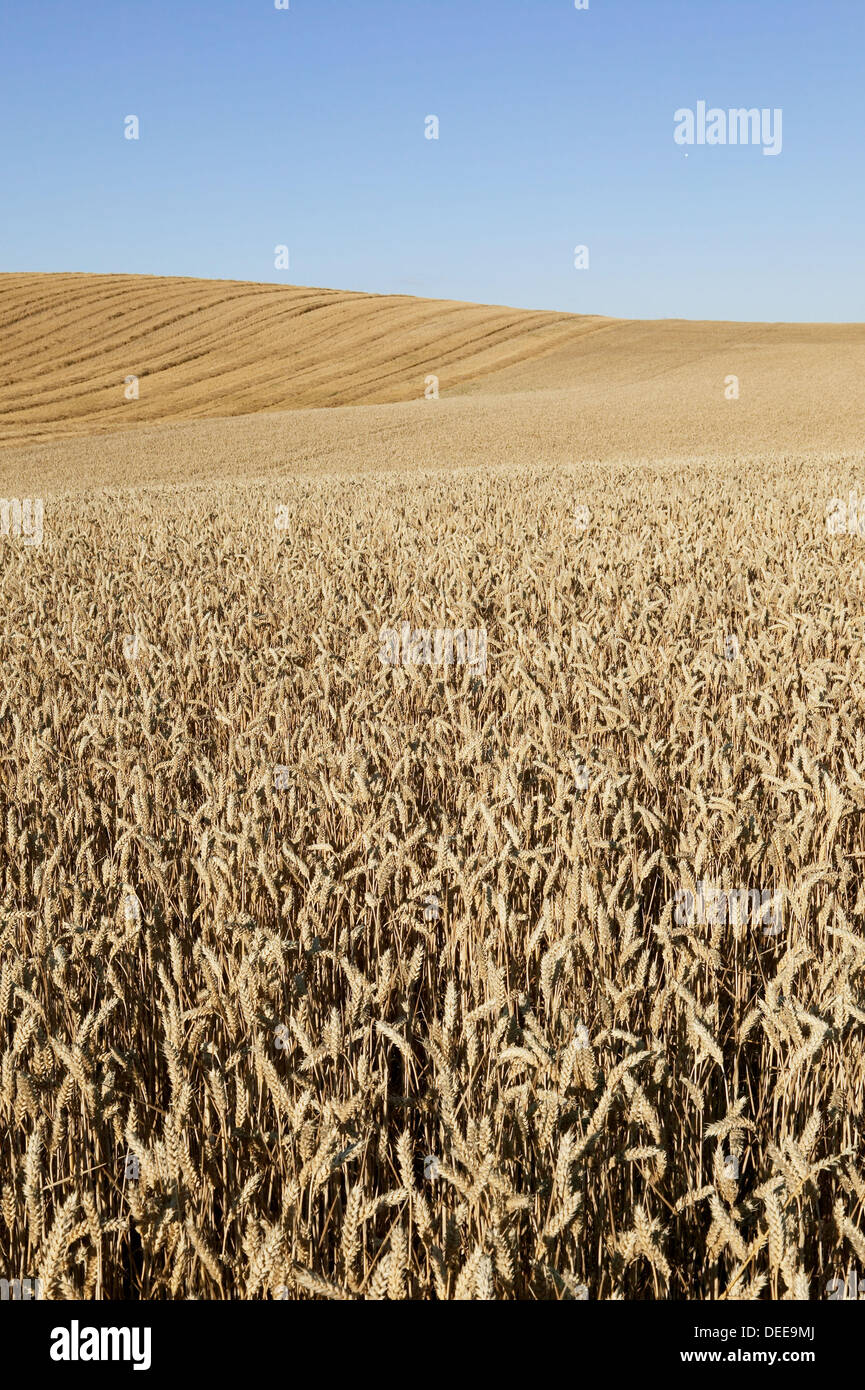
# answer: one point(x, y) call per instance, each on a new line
point(417, 1019)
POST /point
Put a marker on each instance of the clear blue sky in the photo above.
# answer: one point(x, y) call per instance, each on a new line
point(305, 127)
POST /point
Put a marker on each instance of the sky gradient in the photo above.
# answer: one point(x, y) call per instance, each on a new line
point(262, 127)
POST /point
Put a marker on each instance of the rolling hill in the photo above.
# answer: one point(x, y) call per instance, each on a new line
point(255, 377)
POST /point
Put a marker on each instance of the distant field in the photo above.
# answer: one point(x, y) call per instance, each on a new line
point(514, 386)
point(204, 348)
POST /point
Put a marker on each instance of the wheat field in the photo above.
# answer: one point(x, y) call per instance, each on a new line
point(323, 976)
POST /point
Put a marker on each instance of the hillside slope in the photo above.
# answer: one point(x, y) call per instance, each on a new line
point(321, 380)
point(205, 348)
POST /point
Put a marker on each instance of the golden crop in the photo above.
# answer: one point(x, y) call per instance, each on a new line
point(326, 977)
